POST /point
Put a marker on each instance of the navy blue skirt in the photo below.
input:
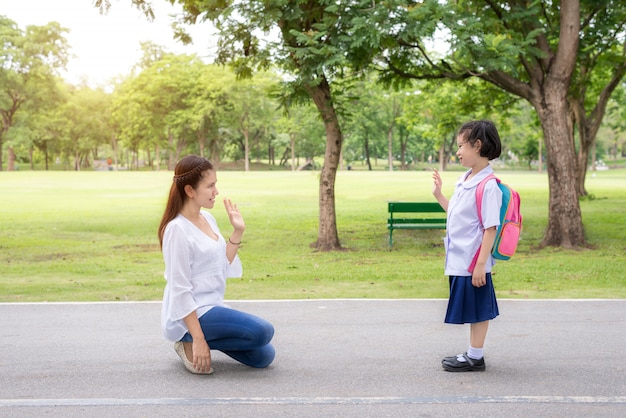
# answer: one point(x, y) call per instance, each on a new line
point(469, 304)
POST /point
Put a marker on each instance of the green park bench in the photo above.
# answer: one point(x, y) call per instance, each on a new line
point(415, 215)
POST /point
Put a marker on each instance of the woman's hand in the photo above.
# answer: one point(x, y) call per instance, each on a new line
point(201, 355)
point(235, 218)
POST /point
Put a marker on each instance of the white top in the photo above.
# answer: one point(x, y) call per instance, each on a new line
point(464, 232)
point(196, 269)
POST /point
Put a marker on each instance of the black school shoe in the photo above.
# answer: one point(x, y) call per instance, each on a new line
point(452, 364)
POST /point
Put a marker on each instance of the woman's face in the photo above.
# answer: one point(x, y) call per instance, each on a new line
point(206, 191)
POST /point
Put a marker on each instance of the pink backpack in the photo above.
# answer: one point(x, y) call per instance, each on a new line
point(510, 227)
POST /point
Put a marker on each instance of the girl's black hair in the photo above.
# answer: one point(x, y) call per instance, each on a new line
point(485, 130)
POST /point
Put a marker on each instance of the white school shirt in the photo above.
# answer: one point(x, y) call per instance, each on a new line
point(464, 232)
point(196, 269)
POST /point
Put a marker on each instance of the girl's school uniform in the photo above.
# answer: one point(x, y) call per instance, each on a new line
point(464, 234)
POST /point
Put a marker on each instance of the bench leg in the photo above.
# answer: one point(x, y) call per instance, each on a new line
point(390, 238)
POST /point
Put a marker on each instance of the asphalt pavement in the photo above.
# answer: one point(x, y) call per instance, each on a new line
point(335, 358)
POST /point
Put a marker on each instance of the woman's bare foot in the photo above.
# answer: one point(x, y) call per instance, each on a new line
point(188, 350)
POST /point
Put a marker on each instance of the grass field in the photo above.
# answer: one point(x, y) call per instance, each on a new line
point(91, 236)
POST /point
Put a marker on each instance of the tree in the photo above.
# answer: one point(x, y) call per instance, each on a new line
point(39, 122)
point(301, 122)
point(616, 123)
point(250, 99)
point(86, 115)
point(601, 66)
point(528, 49)
point(212, 105)
point(391, 110)
point(154, 108)
point(28, 64)
point(435, 110)
point(367, 128)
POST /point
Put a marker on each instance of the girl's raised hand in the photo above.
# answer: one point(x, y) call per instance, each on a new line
point(437, 182)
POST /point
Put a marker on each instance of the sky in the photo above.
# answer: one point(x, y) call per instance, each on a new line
point(106, 46)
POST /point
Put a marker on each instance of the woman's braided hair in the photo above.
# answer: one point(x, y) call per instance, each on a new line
point(188, 172)
point(184, 178)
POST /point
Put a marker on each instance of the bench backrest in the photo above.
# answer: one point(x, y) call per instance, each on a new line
point(415, 207)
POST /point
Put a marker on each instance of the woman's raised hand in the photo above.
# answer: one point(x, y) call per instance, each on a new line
point(234, 216)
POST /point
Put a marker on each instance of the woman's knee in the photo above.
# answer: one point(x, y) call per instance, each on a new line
point(265, 332)
point(267, 354)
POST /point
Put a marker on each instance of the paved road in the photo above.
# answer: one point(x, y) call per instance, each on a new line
point(335, 358)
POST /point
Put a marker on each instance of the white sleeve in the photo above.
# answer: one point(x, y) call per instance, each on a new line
point(178, 257)
point(492, 201)
point(234, 269)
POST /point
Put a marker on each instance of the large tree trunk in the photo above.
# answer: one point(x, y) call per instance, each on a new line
point(547, 92)
point(327, 237)
point(565, 227)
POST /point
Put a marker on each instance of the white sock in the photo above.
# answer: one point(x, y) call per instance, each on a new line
point(474, 353)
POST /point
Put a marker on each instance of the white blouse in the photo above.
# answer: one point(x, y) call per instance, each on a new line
point(196, 269)
point(464, 232)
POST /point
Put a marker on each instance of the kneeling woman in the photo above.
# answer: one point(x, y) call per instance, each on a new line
point(197, 262)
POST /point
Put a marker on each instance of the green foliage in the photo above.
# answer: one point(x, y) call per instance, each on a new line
point(170, 105)
point(91, 236)
point(29, 62)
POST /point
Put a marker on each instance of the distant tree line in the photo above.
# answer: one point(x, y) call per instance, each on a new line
point(172, 105)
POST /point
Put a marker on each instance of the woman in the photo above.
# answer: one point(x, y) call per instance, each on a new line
point(197, 262)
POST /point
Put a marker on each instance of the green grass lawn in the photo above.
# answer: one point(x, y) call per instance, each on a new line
point(91, 236)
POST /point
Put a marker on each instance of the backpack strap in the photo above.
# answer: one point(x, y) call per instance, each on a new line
point(480, 189)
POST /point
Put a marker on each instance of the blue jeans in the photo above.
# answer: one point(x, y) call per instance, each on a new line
point(244, 337)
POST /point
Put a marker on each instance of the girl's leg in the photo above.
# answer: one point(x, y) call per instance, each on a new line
point(240, 335)
point(472, 360)
point(478, 333)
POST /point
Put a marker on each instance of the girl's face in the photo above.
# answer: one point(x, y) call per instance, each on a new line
point(206, 191)
point(467, 154)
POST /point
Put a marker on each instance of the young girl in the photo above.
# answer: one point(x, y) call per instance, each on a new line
point(472, 296)
point(197, 262)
